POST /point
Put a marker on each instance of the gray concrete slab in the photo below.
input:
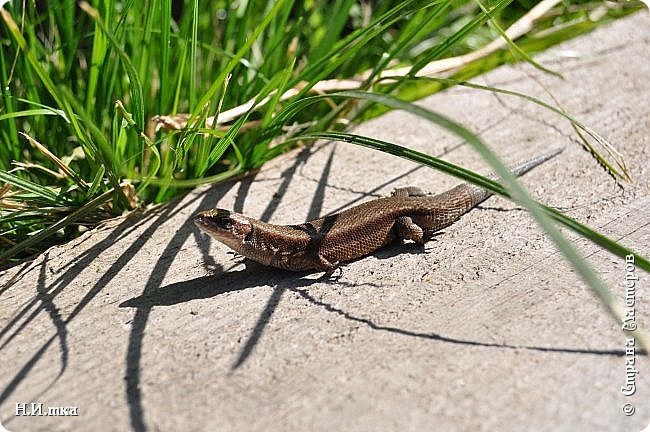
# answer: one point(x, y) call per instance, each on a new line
point(145, 324)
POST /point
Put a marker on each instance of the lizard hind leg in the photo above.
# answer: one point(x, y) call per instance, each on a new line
point(404, 226)
point(325, 265)
point(406, 229)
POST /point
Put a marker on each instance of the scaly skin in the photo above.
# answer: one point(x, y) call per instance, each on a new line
point(322, 244)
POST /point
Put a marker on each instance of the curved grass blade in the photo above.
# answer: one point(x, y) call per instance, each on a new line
point(623, 174)
point(33, 113)
point(513, 45)
point(479, 180)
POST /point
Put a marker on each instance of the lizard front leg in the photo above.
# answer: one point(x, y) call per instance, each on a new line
point(302, 260)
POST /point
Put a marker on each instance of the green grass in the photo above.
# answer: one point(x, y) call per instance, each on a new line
point(81, 84)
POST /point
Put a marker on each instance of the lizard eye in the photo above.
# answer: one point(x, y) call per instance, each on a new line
point(224, 222)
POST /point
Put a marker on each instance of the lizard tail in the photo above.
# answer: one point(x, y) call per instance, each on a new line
point(479, 194)
point(523, 167)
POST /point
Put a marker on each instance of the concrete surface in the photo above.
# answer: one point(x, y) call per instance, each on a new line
point(145, 324)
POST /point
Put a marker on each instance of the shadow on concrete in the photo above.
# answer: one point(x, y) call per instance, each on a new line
point(436, 337)
point(24, 268)
point(45, 295)
point(153, 295)
point(315, 207)
point(142, 312)
point(203, 287)
point(43, 301)
point(46, 300)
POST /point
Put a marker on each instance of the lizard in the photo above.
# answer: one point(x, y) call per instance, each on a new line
point(322, 244)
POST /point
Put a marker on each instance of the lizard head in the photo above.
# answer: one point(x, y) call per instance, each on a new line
point(229, 228)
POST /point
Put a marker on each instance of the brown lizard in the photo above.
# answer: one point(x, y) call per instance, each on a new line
point(322, 244)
